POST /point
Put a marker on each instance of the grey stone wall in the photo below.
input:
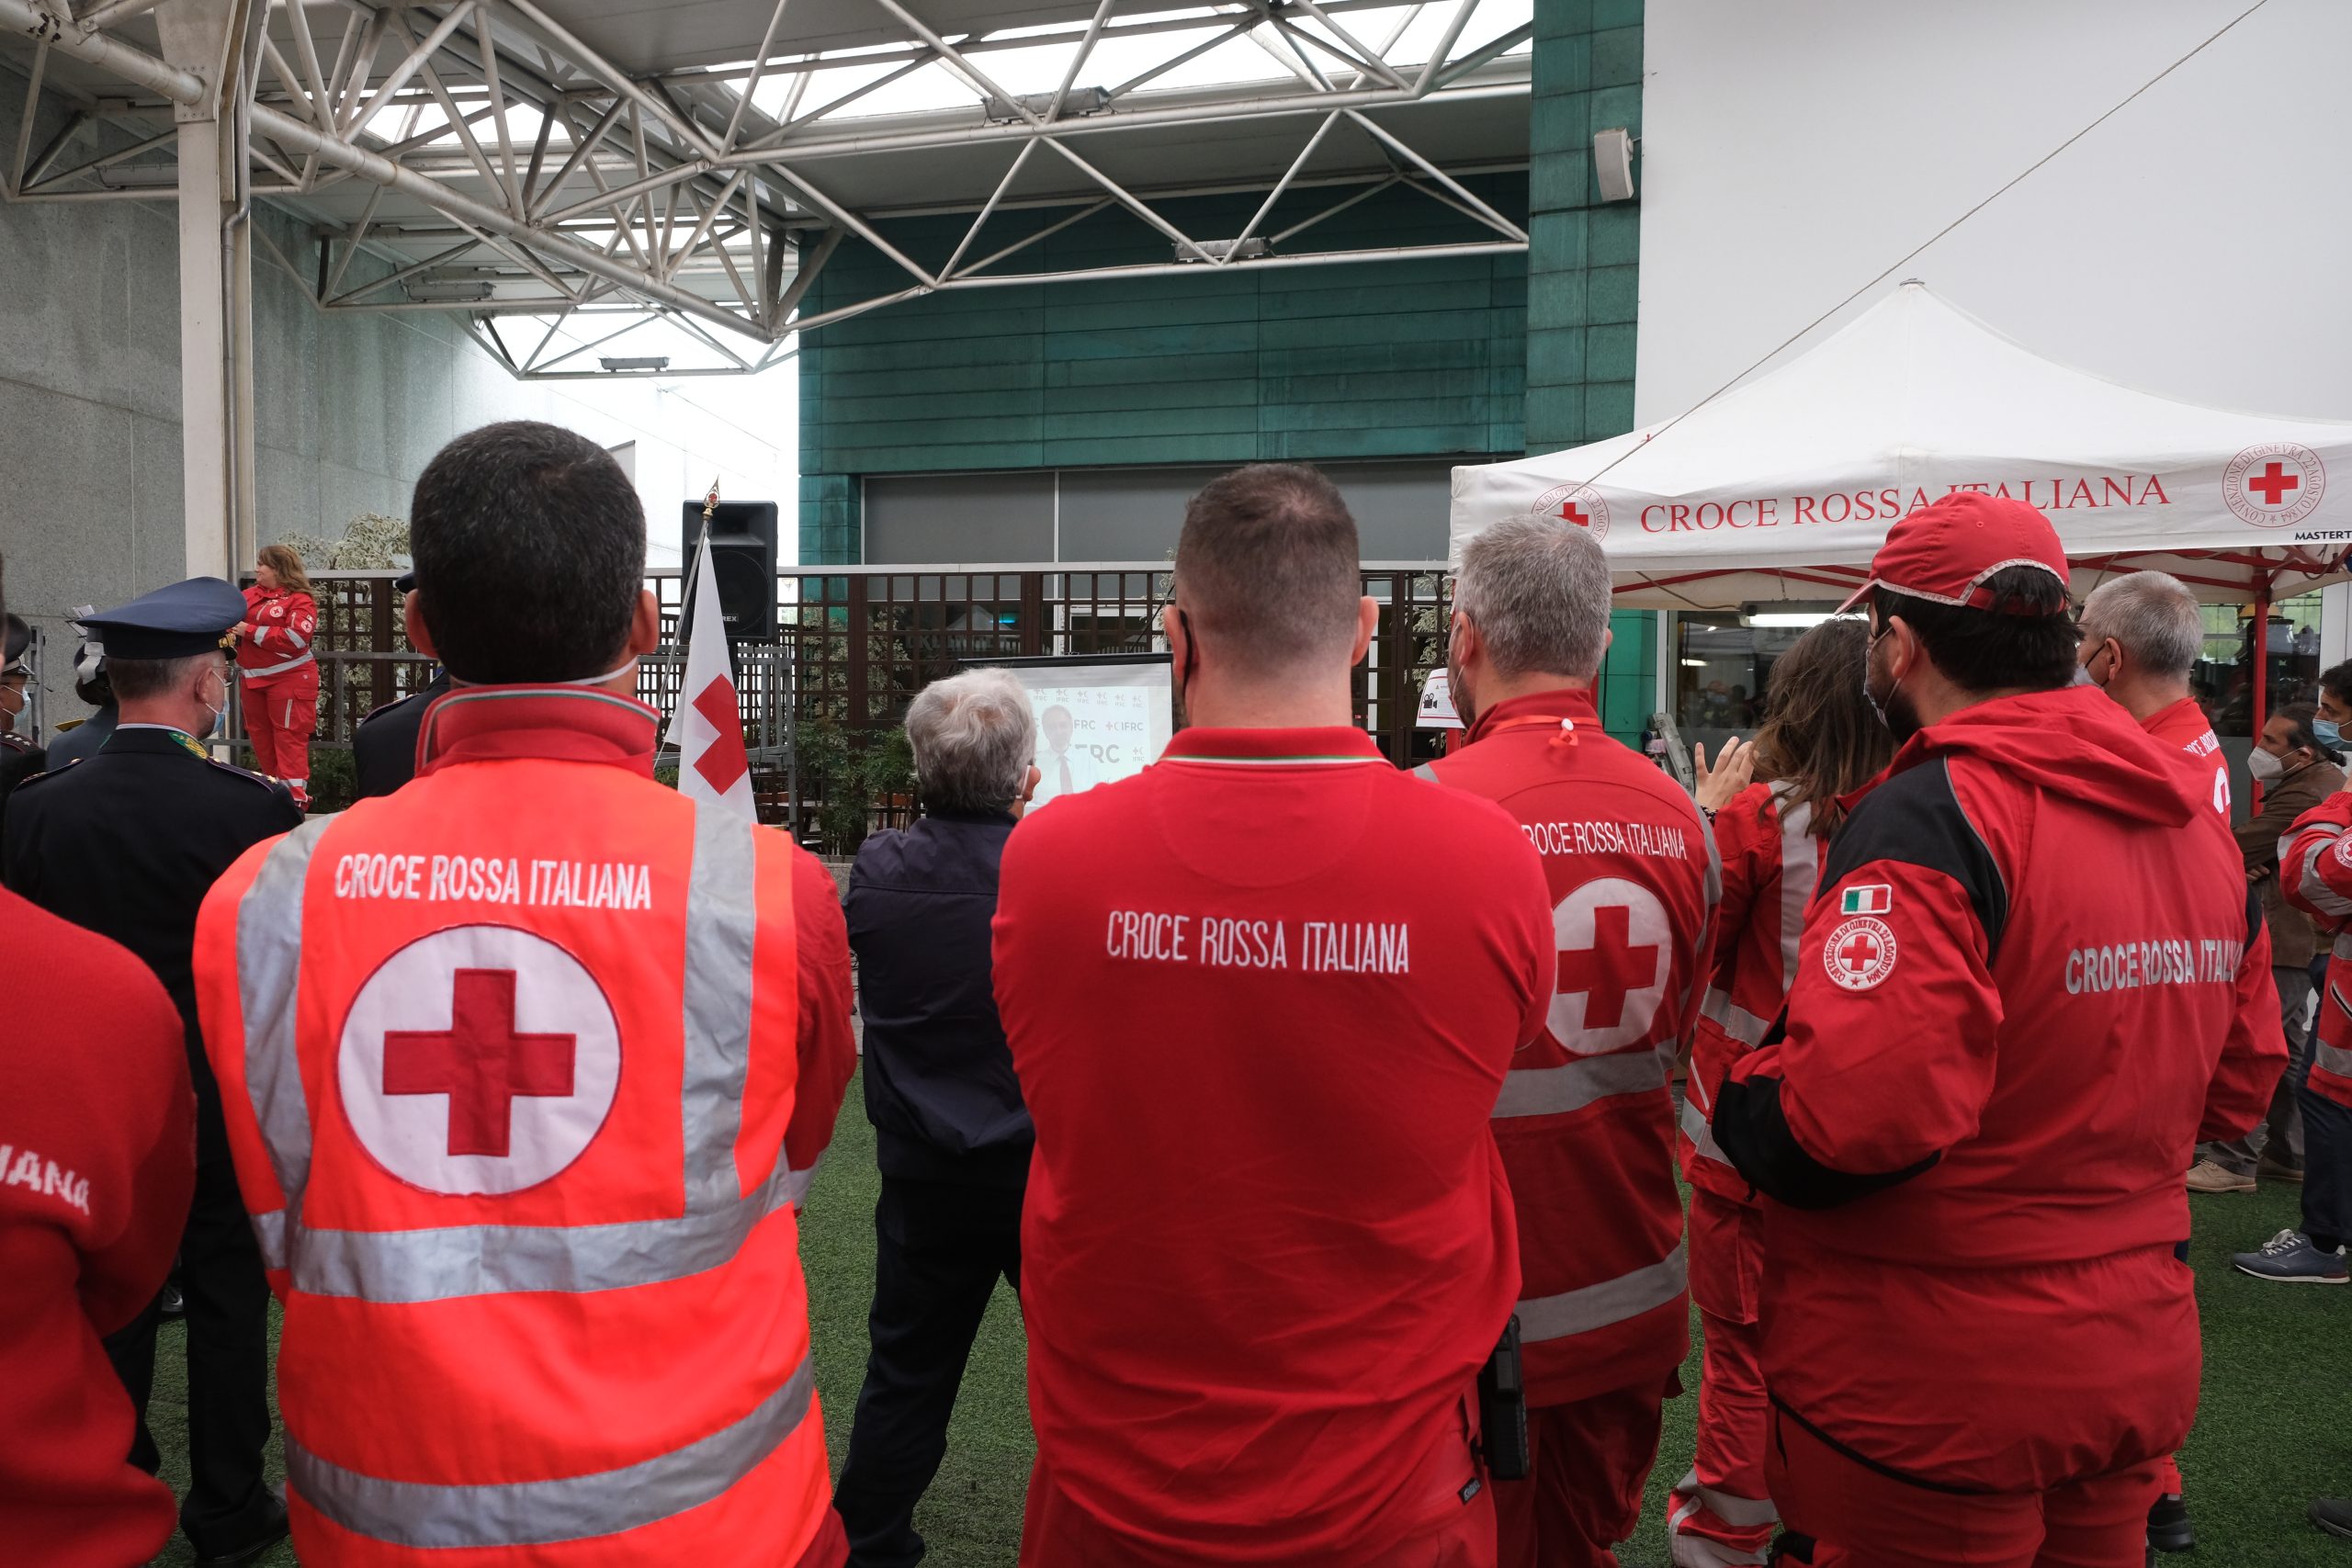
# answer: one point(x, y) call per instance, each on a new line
point(349, 407)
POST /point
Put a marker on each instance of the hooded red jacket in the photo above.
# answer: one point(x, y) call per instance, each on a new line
point(2023, 994)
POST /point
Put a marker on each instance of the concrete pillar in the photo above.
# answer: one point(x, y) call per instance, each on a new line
point(210, 38)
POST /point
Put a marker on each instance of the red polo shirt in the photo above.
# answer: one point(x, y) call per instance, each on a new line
point(1261, 998)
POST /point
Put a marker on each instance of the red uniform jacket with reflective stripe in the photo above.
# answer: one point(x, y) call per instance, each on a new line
point(278, 628)
point(1585, 1120)
point(2317, 878)
point(1770, 860)
point(1266, 1244)
point(514, 1062)
point(2183, 726)
point(2034, 977)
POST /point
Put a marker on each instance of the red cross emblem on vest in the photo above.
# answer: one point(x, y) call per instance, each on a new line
point(1615, 942)
point(479, 1059)
point(480, 1062)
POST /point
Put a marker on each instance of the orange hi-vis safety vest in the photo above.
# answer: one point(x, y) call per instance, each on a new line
point(508, 1058)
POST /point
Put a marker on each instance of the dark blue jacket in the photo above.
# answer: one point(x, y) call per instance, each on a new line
point(939, 1083)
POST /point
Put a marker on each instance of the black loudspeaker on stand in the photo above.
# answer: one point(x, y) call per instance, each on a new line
point(742, 557)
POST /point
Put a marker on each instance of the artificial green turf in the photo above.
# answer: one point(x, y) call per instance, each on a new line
point(2269, 1437)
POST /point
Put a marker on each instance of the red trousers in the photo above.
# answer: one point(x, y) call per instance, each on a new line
point(1584, 1493)
point(1058, 1533)
point(280, 714)
point(1722, 1512)
point(1861, 1519)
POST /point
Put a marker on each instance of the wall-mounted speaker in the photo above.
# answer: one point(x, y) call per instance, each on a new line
point(743, 558)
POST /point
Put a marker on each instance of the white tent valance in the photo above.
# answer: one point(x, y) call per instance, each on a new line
point(1784, 488)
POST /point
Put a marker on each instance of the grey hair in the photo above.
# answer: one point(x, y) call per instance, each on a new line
point(1538, 593)
point(2154, 616)
point(973, 736)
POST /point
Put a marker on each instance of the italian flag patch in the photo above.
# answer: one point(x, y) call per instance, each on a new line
point(1876, 899)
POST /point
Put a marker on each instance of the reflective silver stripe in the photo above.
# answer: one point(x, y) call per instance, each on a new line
point(722, 914)
point(531, 1513)
point(1744, 1513)
point(1734, 1020)
point(2329, 1058)
point(1426, 771)
point(1800, 868)
point(281, 669)
point(2314, 891)
point(1701, 1136)
point(489, 1260)
point(1612, 1300)
point(1690, 1550)
point(270, 1231)
point(270, 962)
point(798, 1182)
point(1553, 1091)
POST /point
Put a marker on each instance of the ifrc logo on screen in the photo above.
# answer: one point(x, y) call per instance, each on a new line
point(479, 1059)
point(1577, 504)
point(2275, 484)
point(1860, 953)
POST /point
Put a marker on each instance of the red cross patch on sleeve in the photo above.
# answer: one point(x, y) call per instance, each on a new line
point(1860, 953)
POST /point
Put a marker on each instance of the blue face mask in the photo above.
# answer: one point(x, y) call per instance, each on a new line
point(2328, 734)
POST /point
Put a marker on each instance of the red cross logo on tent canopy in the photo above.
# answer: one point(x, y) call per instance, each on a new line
point(2275, 484)
point(1860, 953)
point(479, 1059)
point(1578, 504)
point(1615, 943)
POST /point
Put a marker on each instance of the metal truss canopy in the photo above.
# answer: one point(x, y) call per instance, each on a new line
point(594, 166)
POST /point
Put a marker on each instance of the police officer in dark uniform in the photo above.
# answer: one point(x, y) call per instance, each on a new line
point(127, 843)
point(383, 749)
point(20, 755)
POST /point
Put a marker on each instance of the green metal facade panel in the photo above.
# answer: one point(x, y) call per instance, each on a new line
point(1583, 295)
point(1629, 675)
point(1583, 257)
point(1420, 358)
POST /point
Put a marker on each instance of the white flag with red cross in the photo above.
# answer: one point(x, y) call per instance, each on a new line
point(707, 726)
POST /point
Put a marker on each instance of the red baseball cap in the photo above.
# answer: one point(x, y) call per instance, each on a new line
point(1944, 551)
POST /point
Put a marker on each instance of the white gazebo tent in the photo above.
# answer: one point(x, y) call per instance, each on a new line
point(1781, 490)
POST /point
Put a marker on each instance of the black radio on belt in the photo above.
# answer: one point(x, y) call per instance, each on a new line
point(1502, 1409)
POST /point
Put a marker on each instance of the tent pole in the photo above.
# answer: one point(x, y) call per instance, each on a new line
point(2261, 672)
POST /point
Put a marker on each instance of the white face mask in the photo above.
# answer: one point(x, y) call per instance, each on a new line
point(2265, 767)
point(219, 715)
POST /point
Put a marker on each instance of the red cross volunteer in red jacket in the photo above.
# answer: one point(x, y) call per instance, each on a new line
point(1585, 1120)
point(2141, 636)
point(518, 1063)
point(1267, 1241)
point(1978, 1338)
point(1820, 740)
point(279, 668)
